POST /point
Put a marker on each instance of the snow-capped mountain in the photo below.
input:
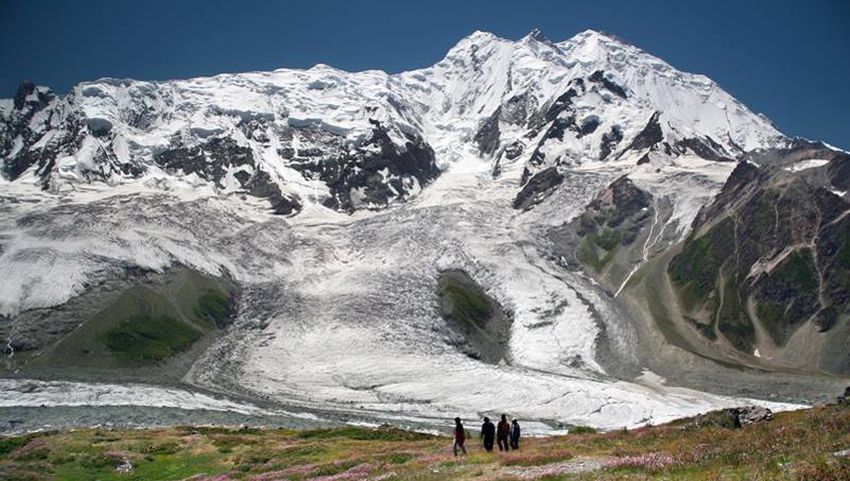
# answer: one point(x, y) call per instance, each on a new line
point(366, 139)
point(395, 247)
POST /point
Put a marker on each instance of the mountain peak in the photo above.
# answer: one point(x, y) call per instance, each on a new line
point(474, 41)
point(478, 36)
point(601, 35)
point(324, 66)
point(536, 35)
point(599, 39)
point(469, 48)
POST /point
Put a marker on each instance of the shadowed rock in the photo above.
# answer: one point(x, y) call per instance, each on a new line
point(649, 136)
point(537, 188)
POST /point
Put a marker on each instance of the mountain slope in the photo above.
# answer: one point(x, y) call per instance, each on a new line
point(782, 289)
point(761, 277)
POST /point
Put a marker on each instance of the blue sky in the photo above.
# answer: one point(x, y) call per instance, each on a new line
point(788, 60)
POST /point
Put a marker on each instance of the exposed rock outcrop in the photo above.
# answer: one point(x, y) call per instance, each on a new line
point(537, 188)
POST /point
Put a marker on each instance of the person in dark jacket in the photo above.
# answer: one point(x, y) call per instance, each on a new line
point(502, 433)
point(460, 437)
point(488, 433)
point(515, 434)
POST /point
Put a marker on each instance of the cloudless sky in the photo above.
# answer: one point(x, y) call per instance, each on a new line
point(788, 60)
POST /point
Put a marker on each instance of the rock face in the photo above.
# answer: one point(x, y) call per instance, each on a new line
point(537, 187)
point(222, 160)
point(760, 272)
point(487, 136)
point(20, 128)
point(650, 136)
point(234, 134)
point(373, 174)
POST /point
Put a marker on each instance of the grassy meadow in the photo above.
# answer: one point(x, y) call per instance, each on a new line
point(799, 445)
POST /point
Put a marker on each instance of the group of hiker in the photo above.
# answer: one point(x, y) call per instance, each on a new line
point(505, 434)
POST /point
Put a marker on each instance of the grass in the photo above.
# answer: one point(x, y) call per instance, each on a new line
point(706, 330)
point(149, 338)
point(733, 320)
point(133, 326)
point(659, 309)
point(213, 306)
point(606, 242)
point(609, 239)
point(697, 267)
point(795, 446)
point(798, 269)
point(844, 253)
point(383, 433)
point(772, 316)
point(789, 295)
point(582, 430)
point(468, 304)
point(7, 445)
point(707, 279)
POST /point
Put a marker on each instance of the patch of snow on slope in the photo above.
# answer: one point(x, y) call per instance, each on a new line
point(806, 164)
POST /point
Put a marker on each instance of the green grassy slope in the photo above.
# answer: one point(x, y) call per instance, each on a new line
point(144, 324)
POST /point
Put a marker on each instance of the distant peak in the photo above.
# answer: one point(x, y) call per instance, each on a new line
point(615, 38)
point(537, 35)
point(474, 41)
point(601, 35)
point(591, 33)
point(479, 36)
point(324, 66)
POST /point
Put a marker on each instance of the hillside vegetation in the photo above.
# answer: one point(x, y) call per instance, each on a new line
point(802, 445)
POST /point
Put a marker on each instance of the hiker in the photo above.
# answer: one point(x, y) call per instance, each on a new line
point(488, 432)
point(460, 438)
point(504, 430)
point(515, 433)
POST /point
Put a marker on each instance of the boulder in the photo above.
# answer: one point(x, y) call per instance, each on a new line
point(732, 418)
point(752, 415)
point(844, 398)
